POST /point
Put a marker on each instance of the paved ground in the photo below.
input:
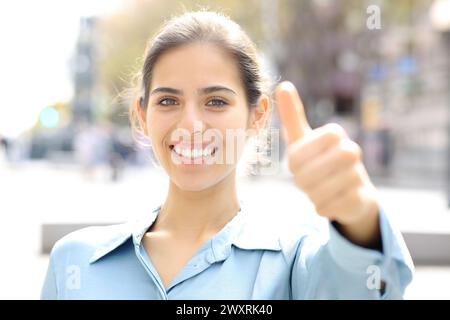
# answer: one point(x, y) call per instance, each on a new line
point(38, 193)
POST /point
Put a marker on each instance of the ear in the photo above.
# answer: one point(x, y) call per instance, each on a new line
point(261, 114)
point(140, 114)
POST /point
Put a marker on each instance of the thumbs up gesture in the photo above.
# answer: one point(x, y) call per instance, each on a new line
point(327, 166)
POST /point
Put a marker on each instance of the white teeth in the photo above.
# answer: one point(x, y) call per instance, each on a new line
point(197, 153)
point(207, 152)
point(193, 153)
point(186, 153)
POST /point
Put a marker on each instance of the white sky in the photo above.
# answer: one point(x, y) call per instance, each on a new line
point(37, 39)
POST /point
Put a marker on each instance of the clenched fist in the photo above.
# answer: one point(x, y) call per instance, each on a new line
point(327, 166)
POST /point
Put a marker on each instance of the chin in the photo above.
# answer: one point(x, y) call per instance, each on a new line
point(193, 184)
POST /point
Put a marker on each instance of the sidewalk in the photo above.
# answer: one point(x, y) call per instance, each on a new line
point(38, 193)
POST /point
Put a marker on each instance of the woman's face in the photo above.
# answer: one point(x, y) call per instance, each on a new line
point(197, 115)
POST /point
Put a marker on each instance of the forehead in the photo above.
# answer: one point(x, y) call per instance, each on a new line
point(196, 65)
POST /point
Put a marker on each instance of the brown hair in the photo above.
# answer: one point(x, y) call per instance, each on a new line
point(208, 27)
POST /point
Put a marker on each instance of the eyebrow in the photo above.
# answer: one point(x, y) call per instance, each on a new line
point(206, 90)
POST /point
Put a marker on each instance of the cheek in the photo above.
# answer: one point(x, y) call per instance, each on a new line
point(233, 127)
point(158, 127)
point(235, 119)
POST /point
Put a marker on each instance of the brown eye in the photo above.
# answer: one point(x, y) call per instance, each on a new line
point(216, 102)
point(167, 102)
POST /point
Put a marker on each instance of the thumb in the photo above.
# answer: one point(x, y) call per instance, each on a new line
point(291, 110)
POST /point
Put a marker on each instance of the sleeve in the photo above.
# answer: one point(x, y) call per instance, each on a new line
point(339, 269)
point(49, 289)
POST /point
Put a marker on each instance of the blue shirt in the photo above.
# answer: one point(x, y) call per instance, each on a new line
point(245, 260)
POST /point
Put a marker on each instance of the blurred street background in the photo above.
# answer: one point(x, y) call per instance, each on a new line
point(381, 69)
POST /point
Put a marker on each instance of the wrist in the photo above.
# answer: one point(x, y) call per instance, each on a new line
point(364, 230)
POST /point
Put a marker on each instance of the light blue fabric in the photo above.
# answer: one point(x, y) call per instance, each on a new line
point(242, 261)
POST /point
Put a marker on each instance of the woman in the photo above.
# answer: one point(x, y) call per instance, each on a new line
point(201, 81)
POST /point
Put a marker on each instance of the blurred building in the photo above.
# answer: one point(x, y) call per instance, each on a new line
point(53, 138)
point(388, 86)
point(405, 105)
point(84, 71)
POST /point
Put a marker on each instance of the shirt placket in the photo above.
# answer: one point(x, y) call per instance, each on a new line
point(214, 250)
point(151, 271)
point(195, 266)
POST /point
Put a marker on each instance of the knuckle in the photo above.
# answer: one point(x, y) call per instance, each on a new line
point(350, 151)
point(346, 157)
point(357, 150)
point(335, 130)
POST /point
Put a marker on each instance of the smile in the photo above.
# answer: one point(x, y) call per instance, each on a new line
point(193, 153)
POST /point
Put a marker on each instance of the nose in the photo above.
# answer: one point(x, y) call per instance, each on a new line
point(191, 119)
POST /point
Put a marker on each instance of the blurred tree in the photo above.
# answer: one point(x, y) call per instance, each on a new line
point(123, 38)
point(323, 46)
point(328, 49)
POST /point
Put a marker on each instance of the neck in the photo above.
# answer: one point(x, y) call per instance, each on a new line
point(199, 214)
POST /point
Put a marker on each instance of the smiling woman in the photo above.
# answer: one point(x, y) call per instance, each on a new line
point(201, 87)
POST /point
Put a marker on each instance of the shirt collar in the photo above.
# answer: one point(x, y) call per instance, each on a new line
point(241, 231)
